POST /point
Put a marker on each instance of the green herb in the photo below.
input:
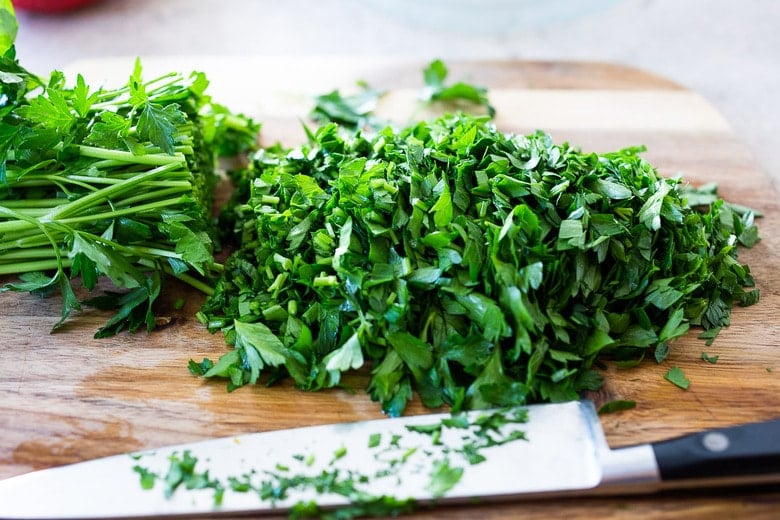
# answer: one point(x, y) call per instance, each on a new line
point(339, 454)
point(352, 111)
point(709, 359)
point(181, 472)
point(380, 507)
point(110, 183)
point(374, 440)
point(474, 267)
point(356, 111)
point(709, 335)
point(618, 405)
point(8, 25)
point(435, 76)
point(481, 432)
point(661, 352)
point(443, 477)
point(676, 376)
point(147, 477)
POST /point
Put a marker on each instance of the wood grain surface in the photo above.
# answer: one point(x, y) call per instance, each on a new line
point(66, 397)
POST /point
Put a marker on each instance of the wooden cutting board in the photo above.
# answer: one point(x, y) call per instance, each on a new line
point(67, 397)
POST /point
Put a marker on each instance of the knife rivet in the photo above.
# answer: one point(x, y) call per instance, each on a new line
point(715, 441)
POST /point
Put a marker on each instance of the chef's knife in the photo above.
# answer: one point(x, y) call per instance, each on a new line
point(560, 449)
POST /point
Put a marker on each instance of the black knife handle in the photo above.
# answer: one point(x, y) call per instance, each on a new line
point(736, 452)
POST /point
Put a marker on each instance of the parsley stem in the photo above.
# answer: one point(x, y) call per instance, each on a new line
point(24, 240)
point(18, 205)
point(34, 265)
point(26, 253)
point(121, 96)
point(183, 148)
point(121, 212)
point(110, 192)
point(159, 194)
point(121, 179)
point(31, 211)
point(30, 237)
point(46, 180)
point(131, 208)
point(190, 280)
point(154, 251)
point(129, 157)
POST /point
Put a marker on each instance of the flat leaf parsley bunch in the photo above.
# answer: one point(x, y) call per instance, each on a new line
point(110, 183)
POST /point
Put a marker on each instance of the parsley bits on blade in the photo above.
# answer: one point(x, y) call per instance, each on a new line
point(473, 267)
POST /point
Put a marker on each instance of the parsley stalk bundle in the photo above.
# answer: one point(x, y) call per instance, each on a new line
point(474, 267)
point(116, 183)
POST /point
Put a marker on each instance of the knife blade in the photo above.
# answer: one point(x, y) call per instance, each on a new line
point(534, 451)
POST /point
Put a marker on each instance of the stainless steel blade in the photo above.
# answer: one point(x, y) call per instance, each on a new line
point(562, 451)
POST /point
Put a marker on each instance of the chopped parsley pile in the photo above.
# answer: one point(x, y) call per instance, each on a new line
point(473, 267)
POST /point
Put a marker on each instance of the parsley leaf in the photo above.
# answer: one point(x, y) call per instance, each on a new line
point(158, 124)
point(8, 26)
point(82, 99)
point(351, 111)
point(676, 376)
point(50, 111)
point(435, 76)
point(617, 405)
point(443, 477)
point(709, 358)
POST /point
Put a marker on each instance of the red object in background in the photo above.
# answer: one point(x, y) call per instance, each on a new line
point(50, 6)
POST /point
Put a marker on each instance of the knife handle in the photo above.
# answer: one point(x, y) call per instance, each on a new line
point(746, 453)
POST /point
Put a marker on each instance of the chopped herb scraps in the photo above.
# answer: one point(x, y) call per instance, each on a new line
point(181, 472)
point(356, 110)
point(708, 358)
point(676, 376)
point(436, 90)
point(618, 405)
point(351, 111)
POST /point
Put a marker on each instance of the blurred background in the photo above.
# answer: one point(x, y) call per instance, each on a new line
point(726, 51)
